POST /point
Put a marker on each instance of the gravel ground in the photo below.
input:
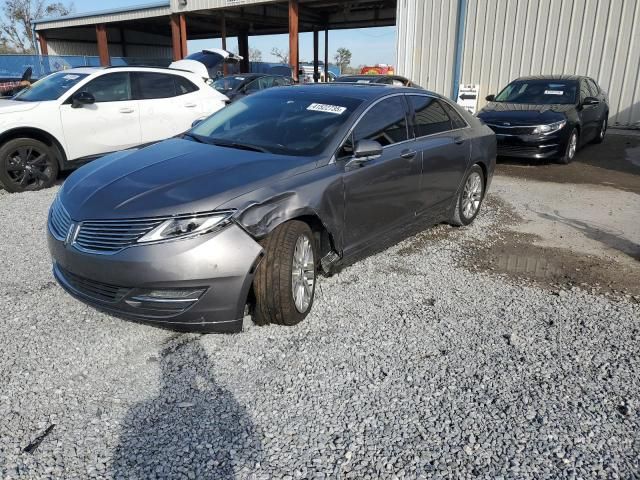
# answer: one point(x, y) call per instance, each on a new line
point(409, 366)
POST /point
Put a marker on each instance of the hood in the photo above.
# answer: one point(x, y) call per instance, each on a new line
point(171, 177)
point(13, 106)
point(523, 114)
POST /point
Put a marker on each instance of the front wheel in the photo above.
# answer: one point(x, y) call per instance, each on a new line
point(572, 148)
point(27, 164)
point(285, 280)
point(470, 198)
point(601, 131)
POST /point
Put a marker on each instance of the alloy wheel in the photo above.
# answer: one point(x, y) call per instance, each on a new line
point(303, 274)
point(573, 146)
point(603, 129)
point(472, 195)
point(29, 168)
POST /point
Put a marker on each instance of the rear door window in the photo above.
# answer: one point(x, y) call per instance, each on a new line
point(385, 122)
point(152, 85)
point(429, 116)
point(456, 119)
point(184, 86)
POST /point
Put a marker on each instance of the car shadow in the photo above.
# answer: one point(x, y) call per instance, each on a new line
point(193, 428)
point(597, 233)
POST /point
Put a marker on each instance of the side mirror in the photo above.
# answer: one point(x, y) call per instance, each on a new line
point(490, 98)
point(367, 149)
point(82, 98)
point(590, 101)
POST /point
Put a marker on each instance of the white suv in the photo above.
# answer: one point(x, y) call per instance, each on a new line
point(80, 114)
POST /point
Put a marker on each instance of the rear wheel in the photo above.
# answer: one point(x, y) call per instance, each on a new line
point(27, 164)
point(470, 198)
point(601, 131)
point(572, 148)
point(285, 281)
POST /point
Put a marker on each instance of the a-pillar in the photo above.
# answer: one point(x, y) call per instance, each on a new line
point(103, 44)
point(243, 50)
point(294, 26)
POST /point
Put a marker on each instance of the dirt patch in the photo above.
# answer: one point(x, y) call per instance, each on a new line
point(613, 163)
point(518, 256)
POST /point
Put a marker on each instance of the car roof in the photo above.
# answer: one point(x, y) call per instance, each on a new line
point(363, 91)
point(246, 75)
point(552, 77)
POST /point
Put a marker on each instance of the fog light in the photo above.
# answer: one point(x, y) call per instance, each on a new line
point(170, 295)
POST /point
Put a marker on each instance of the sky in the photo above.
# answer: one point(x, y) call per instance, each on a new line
point(368, 46)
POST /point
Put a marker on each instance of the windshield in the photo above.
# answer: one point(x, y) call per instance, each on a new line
point(285, 122)
point(539, 92)
point(50, 87)
point(227, 83)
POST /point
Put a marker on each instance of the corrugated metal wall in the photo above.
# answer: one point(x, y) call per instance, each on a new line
point(426, 32)
point(504, 39)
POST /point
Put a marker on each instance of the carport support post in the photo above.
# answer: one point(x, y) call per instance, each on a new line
point(293, 39)
point(326, 54)
point(223, 37)
point(42, 40)
point(243, 49)
point(175, 38)
point(103, 45)
point(183, 35)
point(316, 69)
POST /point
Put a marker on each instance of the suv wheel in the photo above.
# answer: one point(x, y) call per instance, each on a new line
point(470, 198)
point(27, 164)
point(285, 281)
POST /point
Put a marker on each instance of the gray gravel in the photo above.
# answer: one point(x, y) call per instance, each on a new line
point(409, 366)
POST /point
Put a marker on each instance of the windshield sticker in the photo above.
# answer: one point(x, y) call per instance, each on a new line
point(363, 81)
point(239, 78)
point(553, 92)
point(71, 77)
point(321, 107)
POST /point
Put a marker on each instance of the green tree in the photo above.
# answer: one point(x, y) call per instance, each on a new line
point(16, 19)
point(343, 58)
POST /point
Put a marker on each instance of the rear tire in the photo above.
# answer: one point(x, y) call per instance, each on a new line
point(285, 280)
point(571, 149)
point(470, 198)
point(601, 131)
point(27, 164)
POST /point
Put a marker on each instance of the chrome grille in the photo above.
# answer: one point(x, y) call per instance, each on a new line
point(108, 236)
point(59, 220)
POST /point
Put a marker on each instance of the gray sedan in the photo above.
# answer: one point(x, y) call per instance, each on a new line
point(242, 212)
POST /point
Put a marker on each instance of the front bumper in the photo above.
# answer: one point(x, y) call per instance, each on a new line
point(221, 263)
point(532, 146)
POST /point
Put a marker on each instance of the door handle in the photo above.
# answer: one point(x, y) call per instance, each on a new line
point(408, 154)
point(458, 140)
point(127, 110)
point(190, 105)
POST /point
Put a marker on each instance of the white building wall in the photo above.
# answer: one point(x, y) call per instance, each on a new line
point(505, 39)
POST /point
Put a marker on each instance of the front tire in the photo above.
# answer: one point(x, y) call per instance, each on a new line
point(602, 131)
point(27, 164)
point(285, 280)
point(572, 148)
point(470, 198)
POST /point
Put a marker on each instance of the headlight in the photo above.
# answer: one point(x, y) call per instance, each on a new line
point(187, 226)
point(550, 128)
